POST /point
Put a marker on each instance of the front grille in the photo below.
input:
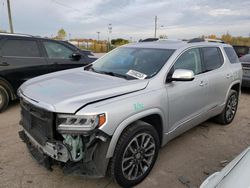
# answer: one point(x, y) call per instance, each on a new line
point(37, 121)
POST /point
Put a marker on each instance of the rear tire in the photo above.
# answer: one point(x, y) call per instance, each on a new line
point(4, 98)
point(135, 154)
point(228, 114)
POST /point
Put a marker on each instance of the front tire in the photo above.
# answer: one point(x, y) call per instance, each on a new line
point(135, 154)
point(228, 114)
point(4, 99)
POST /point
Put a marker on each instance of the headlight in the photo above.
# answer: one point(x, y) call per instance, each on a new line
point(79, 123)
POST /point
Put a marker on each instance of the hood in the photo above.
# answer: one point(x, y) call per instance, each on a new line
point(235, 174)
point(238, 176)
point(67, 91)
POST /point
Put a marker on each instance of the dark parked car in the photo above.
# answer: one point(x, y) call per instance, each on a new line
point(245, 60)
point(241, 50)
point(23, 57)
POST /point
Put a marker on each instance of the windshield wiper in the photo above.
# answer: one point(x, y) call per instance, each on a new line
point(113, 74)
point(90, 67)
point(110, 73)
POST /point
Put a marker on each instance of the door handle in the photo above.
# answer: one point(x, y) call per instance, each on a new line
point(4, 64)
point(202, 83)
point(228, 76)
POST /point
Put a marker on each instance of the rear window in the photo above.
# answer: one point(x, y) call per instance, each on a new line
point(20, 48)
point(212, 58)
point(231, 54)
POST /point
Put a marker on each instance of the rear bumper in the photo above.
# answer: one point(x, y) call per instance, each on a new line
point(56, 153)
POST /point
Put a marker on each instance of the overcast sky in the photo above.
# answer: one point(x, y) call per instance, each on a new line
point(129, 18)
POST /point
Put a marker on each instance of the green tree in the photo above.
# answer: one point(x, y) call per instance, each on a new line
point(61, 34)
point(227, 38)
point(213, 36)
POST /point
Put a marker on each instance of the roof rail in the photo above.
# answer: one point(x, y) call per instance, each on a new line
point(16, 34)
point(204, 40)
point(196, 40)
point(149, 40)
point(214, 40)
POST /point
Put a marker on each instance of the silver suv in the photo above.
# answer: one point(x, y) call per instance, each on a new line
point(114, 114)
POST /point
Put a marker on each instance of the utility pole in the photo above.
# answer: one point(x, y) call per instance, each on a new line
point(10, 18)
point(155, 26)
point(98, 36)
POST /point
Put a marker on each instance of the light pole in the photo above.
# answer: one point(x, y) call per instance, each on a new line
point(155, 26)
point(98, 35)
point(162, 34)
point(109, 38)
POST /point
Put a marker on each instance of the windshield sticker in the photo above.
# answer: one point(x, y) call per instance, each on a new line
point(136, 74)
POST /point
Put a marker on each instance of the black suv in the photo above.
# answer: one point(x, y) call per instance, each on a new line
point(23, 57)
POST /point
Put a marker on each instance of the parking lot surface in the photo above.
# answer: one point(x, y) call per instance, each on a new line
point(184, 162)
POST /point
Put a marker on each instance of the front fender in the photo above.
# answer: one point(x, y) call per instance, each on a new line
point(127, 122)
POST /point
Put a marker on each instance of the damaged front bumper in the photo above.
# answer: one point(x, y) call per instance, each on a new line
point(92, 163)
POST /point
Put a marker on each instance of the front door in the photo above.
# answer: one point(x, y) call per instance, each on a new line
point(59, 56)
point(187, 99)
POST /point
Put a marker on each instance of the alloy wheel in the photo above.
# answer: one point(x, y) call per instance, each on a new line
point(138, 156)
point(231, 107)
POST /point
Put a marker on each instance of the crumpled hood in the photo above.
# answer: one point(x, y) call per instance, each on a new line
point(67, 91)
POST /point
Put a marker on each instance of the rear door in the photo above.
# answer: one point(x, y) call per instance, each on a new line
point(21, 59)
point(59, 56)
point(218, 73)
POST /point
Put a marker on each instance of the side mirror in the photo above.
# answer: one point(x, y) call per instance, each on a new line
point(182, 75)
point(76, 56)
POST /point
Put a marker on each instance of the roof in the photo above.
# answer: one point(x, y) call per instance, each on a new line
point(172, 44)
point(26, 36)
point(16, 34)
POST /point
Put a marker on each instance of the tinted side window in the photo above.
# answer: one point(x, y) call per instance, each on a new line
point(190, 60)
point(56, 50)
point(20, 48)
point(212, 58)
point(231, 54)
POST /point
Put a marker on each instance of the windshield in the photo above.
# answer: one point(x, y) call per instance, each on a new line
point(132, 63)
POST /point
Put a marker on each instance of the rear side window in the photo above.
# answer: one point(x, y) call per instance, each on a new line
point(212, 58)
point(20, 48)
point(231, 54)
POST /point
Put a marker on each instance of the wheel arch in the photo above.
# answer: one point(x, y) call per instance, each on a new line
point(8, 87)
point(236, 85)
point(154, 117)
